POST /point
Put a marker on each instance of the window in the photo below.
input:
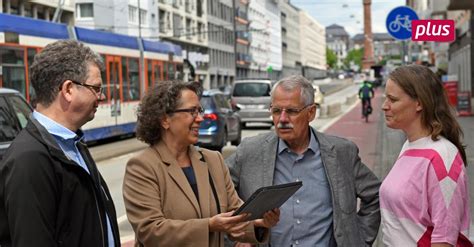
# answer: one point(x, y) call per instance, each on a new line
point(85, 10)
point(163, 21)
point(143, 16)
point(134, 77)
point(13, 69)
point(132, 14)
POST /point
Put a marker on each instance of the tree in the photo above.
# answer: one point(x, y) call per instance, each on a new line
point(355, 56)
point(331, 58)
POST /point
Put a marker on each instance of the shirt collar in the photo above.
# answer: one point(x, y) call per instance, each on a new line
point(56, 129)
point(313, 143)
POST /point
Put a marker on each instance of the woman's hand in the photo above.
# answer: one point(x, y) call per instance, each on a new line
point(270, 219)
point(225, 222)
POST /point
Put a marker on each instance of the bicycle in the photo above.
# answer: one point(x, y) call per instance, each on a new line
point(400, 22)
point(367, 110)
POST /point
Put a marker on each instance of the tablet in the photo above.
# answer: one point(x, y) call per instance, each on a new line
point(267, 198)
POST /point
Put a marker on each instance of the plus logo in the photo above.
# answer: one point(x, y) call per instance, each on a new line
point(433, 30)
point(403, 23)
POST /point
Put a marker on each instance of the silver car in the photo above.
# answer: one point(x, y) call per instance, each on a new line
point(252, 97)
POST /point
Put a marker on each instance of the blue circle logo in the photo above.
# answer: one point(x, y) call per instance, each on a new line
point(399, 22)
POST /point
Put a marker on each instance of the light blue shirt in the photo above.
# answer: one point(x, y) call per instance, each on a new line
point(67, 141)
point(306, 218)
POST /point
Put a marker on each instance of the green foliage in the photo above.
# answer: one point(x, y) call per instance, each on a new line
point(331, 58)
point(355, 56)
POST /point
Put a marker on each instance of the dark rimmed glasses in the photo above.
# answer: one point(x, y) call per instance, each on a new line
point(194, 111)
point(99, 90)
point(276, 111)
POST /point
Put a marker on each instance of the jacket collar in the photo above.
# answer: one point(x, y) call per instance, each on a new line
point(201, 173)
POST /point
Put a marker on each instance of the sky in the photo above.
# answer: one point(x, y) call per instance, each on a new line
point(348, 13)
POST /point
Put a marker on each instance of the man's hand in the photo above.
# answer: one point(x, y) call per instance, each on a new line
point(270, 219)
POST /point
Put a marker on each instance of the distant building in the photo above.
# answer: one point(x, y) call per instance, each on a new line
point(40, 9)
point(117, 16)
point(384, 45)
point(184, 22)
point(220, 20)
point(337, 39)
point(313, 46)
point(265, 48)
point(243, 37)
point(290, 34)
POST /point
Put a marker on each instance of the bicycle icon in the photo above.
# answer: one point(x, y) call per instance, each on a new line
point(400, 22)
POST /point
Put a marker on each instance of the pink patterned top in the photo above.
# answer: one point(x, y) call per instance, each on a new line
point(425, 199)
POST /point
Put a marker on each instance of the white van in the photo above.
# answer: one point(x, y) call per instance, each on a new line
point(252, 97)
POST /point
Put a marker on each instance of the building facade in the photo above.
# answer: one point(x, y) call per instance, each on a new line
point(313, 47)
point(243, 38)
point(220, 22)
point(265, 48)
point(184, 22)
point(337, 39)
point(290, 44)
point(128, 17)
point(49, 10)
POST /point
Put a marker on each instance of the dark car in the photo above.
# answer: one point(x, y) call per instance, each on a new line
point(14, 113)
point(221, 123)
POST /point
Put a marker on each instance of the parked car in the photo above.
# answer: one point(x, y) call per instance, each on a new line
point(318, 95)
point(252, 97)
point(14, 113)
point(221, 123)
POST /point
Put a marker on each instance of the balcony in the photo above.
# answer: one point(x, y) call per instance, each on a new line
point(241, 16)
point(188, 7)
point(243, 60)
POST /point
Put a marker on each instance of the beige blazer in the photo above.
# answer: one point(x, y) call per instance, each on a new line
point(163, 209)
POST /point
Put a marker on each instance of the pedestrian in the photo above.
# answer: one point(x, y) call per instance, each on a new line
point(177, 194)
point(424, 199)
point(51, 192)
point(323, 212)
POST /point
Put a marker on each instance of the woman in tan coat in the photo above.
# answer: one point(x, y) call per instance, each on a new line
point(177, 194)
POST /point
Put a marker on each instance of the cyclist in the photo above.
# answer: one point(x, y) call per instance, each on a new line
point(366, 93)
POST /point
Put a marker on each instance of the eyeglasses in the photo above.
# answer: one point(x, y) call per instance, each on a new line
point(276, 111)
point(97, 89)
point(195, 111)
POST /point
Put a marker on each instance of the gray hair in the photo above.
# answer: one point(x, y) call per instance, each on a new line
point(60, 61)
point(295, 82)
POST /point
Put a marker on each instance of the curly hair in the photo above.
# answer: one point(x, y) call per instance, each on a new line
point(158, 102)
point(60, 61)
point(421, 84)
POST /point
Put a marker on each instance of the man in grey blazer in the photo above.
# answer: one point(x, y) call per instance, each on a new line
point(324, 211)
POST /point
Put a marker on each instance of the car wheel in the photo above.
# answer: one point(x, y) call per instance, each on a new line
point(237, 141)
point(224, 141)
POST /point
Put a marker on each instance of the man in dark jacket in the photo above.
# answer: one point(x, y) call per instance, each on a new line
point(51, 192)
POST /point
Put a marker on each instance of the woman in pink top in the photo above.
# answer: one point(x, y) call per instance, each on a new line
point(424, 199)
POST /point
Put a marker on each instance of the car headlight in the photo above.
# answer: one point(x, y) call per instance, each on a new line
point(240, 106)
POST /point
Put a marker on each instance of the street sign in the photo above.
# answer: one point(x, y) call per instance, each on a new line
point(398, 22)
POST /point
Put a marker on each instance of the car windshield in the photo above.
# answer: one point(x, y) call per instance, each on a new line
point(251, 89)
point(206, 102)
point(8, 125)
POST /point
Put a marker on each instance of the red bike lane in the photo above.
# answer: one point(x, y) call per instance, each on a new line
point(352, 126)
